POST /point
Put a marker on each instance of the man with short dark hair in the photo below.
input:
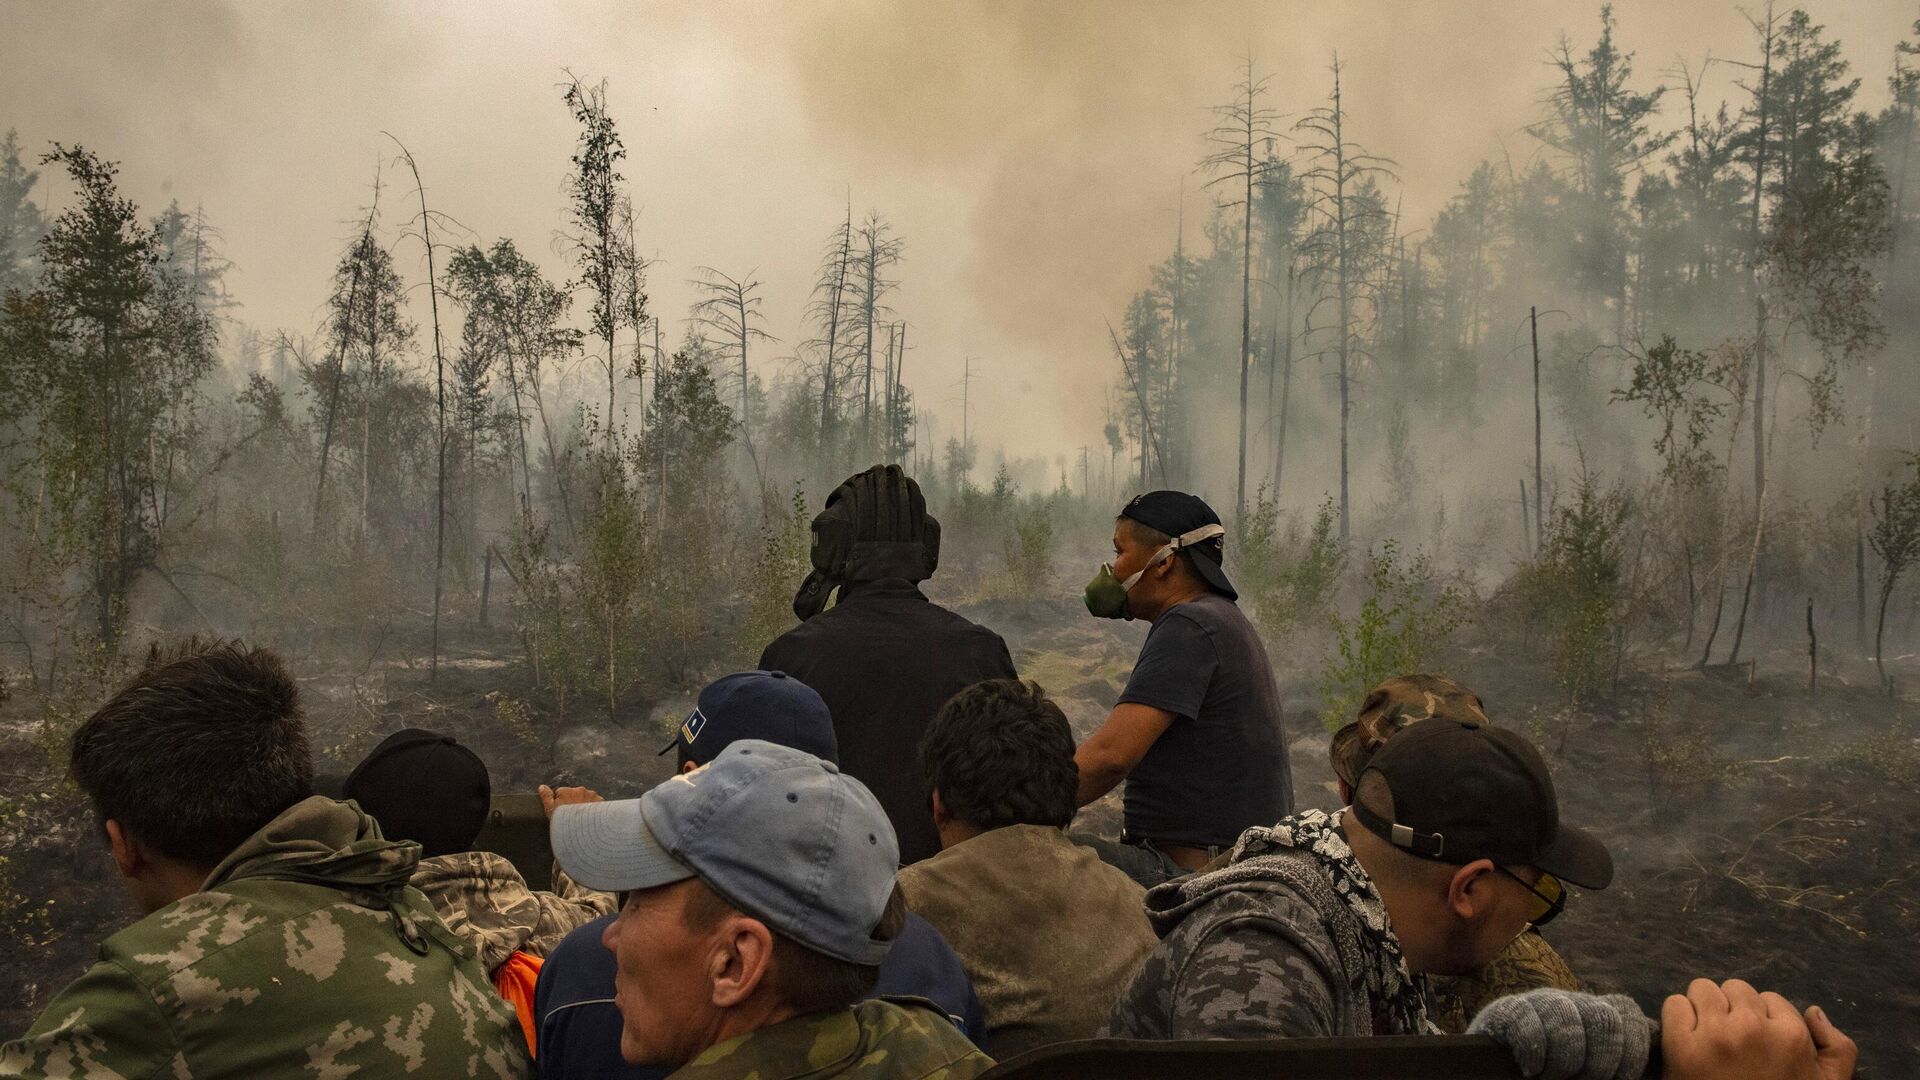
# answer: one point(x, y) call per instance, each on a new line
point(883, 656)
point(280, 934)
point(761, 903)
point(579, 1027)
point(1319, 924)
point(1050, 934)
point(1197, 733)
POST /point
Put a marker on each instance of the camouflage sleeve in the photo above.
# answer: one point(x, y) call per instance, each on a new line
point(105, 1025)
point(1250, 980)
point(1238, 969)
point(570, 905)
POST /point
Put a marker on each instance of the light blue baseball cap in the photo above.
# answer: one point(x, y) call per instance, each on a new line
point(779, 833)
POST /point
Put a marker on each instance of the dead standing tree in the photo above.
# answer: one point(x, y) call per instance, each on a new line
point(1339, 182)
point(829, 298)
point(440, 406)
point(730, 307)
point(879, 249)
point(1245, 124)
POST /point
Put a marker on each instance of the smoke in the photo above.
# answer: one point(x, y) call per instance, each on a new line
point(1033, 155)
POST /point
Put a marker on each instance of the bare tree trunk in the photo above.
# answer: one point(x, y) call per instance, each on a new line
point(833, 334)
point(866, 389)
point(1759, 341)
point(440, 411)
point(1539, 483)
point(1753, 566)
point(1879, 637)
point(740, 309)
point(1813, 653)
point(1246, 311)
point(1526, 542)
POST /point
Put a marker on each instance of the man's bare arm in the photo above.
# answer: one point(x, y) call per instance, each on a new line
point(1110, 753)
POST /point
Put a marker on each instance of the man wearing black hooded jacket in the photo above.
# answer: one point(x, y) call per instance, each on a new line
point(883, 656)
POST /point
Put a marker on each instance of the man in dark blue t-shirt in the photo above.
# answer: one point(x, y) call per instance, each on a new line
point(1197, 733)
point(579, 1025)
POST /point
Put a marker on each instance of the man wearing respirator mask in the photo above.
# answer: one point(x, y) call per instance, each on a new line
point(1197, 732)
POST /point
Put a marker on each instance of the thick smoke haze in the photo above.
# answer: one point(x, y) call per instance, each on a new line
point(1033, 156)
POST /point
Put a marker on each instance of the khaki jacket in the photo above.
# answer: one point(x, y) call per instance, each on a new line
point(1049, 934)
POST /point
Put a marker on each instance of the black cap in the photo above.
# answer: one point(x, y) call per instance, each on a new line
point(768, 705)
point(1177, 513)
point(1464, 791)
point(423, 786)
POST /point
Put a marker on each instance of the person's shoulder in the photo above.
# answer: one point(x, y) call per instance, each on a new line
point(580, 954)
point(1242, 902)
point(189, 930)
point(919, 1041)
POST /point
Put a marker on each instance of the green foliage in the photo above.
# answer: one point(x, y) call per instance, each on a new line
point(1686, 391)
point(1401, 625)
point(1895, 537)
point(101, 361)
point(687, 428)
point(778, 567)
point(1028, 546)
point(1287, 578)
point(513, 714)
point(21, 222)
point(1573, 590)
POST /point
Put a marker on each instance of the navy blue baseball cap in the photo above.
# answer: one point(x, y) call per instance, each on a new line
point(778, 833)
point(768, 705)
point(1188, 520)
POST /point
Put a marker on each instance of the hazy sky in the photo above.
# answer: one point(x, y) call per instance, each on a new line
point(1032, 154)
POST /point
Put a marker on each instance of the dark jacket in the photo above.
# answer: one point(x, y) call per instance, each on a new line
point(886, 658)
point(580, 1026)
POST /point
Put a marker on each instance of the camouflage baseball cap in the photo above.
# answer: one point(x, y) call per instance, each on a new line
point(1393, 705)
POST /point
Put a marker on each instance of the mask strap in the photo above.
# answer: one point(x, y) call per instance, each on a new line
point(1198, 536)
point(1185, 540)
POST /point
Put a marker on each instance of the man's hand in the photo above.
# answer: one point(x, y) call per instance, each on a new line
point(551, 798)
point(1729, 1030)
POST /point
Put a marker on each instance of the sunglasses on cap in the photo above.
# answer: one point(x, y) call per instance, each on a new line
point(1549, 897)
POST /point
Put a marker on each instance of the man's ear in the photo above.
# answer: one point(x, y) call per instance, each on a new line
point(940, 814)
point(1470, 892)
point(687, 767)
point(126, 851)
point(741, 958)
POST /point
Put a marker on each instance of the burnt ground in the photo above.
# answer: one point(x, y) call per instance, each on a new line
point(1759, 832)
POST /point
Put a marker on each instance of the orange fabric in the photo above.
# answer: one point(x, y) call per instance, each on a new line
point(515, 979)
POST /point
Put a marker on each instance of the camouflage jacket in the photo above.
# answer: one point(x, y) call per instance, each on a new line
point(1529, 963)
point(899, 1039)
point(304, 954)
point(1267, 948)
point(484, 899)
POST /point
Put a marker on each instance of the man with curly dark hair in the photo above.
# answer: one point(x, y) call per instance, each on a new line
point(1050, 935)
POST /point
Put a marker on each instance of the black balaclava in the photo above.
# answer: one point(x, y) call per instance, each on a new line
point(423, 786)
point(875, 525)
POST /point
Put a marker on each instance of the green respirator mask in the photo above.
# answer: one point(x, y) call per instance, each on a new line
point(1106, 595)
